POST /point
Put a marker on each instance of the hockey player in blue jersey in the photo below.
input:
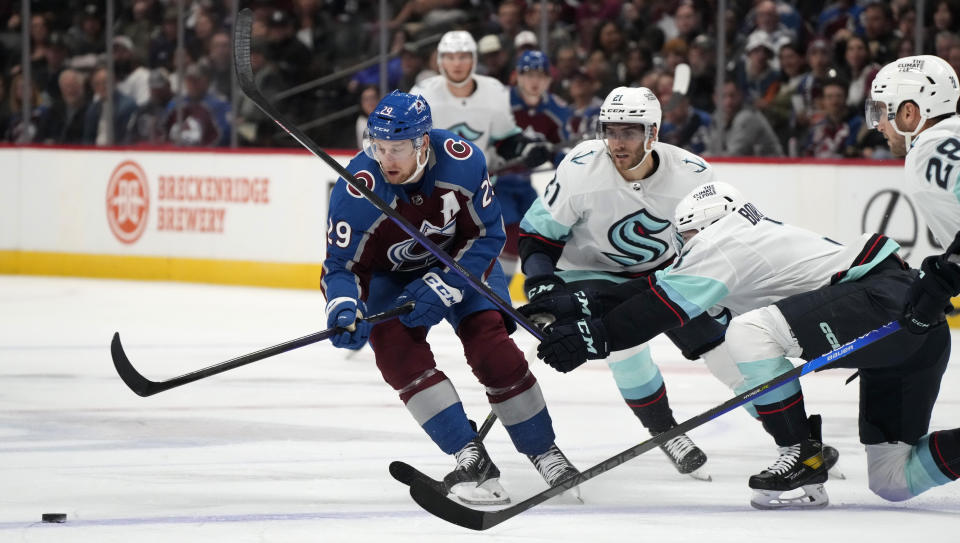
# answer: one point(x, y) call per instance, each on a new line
point(438, 181)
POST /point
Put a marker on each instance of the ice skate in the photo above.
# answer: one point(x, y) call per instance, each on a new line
point(554, 467)
point(686, 457)
point(795, 480)
point(476, 480)
point(830, 457)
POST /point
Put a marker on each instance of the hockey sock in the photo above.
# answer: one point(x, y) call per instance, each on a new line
point(785, 420)
point(653, 411)
point(945, 451)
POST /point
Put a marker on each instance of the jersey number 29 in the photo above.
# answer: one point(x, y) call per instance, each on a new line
point(342, 231)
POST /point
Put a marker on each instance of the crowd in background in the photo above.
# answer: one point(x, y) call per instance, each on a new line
point(796, 76)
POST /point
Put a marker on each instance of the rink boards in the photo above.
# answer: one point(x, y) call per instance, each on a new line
point(258, 217)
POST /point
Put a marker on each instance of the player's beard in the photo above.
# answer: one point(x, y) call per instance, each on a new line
point(629, 160)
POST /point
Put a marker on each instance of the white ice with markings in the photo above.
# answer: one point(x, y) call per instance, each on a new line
point(296, 447)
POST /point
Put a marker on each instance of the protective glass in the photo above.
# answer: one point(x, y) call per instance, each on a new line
point(874, 111)
point(632, 133)
point(389, 150)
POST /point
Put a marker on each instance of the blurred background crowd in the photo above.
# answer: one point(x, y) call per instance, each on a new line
point(791, 80)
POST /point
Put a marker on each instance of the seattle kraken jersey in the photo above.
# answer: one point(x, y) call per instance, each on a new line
point(745, 261)
point(606, 223)
point(484, 117)
point(453, 205)
point(932, 167)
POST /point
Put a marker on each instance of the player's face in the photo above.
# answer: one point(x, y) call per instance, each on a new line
point(397, 158)
point(456, 66)
point(896, 141)
point(533, 83)
point(626, 144)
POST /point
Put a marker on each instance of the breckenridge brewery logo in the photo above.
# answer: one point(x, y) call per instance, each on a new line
point(128, 201)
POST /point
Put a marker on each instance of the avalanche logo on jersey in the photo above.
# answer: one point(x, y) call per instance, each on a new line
point(630, 236)
point(464, 131)
point(410, 255)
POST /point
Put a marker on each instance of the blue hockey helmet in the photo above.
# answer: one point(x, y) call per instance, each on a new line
point(400, 116)
point(533, 60)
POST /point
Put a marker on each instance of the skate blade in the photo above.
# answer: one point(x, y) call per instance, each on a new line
point(488, 493)
point(570, 496)
point(806, 497)
point(701, 475)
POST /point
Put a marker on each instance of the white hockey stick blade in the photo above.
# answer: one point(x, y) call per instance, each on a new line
point(681, 79)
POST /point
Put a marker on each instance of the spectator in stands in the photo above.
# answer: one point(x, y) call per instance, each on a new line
point(674, 52)
point(558, 32)
point(946, 17)
point(149, 121)
point(788, 105)
point(953, 57)
point(841, 14)
point(63, 121)
point(565, 66)
point(86, 36)
point(756, 75)
point(810, 87)
point(584, 108)
point(430, 13)
point(943, 41)
point(835, 135)
point(203, 120)
point(198, 38)
point(859, 70)
point(683, 125)
point(609, 39)
point(746, 132)
point(509, 23)
point(906, 25)
point(878, 31)
point(493, 59)
point(639, 61)
point(290, 56)
point(369, 98)
point(17, 129)
point(767, 18)
point(219, 60)
point(525, 40)
point(46, 73)
point(139, 26)
point(702, 58)
point(411, 64)
point(252, 125)
point(688, 21)
point(95, 118)
point(163, 41)
point(131, 78)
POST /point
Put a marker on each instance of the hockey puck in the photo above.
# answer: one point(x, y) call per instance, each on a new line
point(54, 517)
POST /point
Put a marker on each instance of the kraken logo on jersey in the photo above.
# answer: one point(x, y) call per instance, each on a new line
point(410, 255)
point(464, 131)
point(631, 236)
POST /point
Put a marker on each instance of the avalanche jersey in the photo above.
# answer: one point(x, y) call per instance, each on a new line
point(484, 117)
point(745, 261)
point(606, 223)
point(453, 204)
point(547, 120)
point(932, 166)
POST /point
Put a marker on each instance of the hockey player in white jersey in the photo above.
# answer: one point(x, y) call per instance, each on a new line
point(477, 108)
point(605, 218)
point(913, 103)
point(797, 294)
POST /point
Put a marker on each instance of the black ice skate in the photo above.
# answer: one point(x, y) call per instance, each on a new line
point(686, 457)
point(476, 480)
point(554, 467)
point(796, 479)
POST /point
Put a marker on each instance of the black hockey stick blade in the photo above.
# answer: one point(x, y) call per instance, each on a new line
point(241, 58)
point(406, 474)
point(145, 387)
point(436, 502)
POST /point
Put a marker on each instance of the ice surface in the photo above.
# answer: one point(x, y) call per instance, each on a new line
point(296, 447)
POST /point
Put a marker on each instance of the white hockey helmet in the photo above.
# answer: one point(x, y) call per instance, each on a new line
point(631, 105)
point(706, 205)
point(457, 41)
point(926, 80)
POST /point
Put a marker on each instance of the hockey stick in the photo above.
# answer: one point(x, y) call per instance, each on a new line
point(145, 387)
point(241, 58)
point(424, 490)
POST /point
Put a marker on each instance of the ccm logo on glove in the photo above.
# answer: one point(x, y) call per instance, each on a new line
point(450, 296)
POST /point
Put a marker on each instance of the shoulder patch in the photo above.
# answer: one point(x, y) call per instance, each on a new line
point(364, 176)
point(695, 162)
point(582, 157)
point(458, 149)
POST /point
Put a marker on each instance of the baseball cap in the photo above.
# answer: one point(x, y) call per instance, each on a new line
point(488, 44)
point(525, 38)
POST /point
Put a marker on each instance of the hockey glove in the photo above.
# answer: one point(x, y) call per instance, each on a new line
point(567, 346)
point(542, 286)
point(346, 314)
point(929, 297)
point(535, 154)
point(433, 296)
point(567, 306)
